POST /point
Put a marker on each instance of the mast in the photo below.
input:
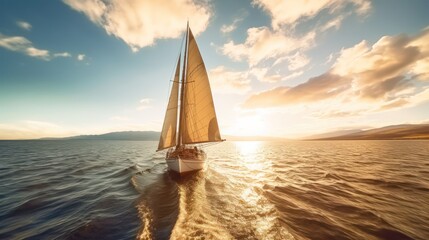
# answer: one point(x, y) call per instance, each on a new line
point(182, 88)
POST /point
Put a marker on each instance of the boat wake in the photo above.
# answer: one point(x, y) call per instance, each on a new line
point(204, 205)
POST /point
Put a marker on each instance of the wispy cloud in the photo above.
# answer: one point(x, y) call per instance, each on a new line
point(33, 129)
point(263, 75)
point(334, 23)
point(63, 54)
point(228, 81)
point(139, 23)
point(144, 104)
point(318, 88)
point(386, 75)
point(23, 45)
point(227, 28)
point(24, 25)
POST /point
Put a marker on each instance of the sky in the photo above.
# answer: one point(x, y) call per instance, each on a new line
point(276, 67)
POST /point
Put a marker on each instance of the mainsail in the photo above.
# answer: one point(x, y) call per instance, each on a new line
point(197, 118)
point(199, 123)
point(168, 134)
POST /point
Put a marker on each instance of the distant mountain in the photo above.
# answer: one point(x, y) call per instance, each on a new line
point(128, 135)
point(153, 136)
point(403, 131)
point(333, 134)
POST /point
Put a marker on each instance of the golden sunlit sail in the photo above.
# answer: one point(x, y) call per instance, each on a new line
point(197, 116)
point(168, 134)
point(200, 122)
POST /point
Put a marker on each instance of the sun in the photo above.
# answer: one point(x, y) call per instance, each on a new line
point(249, 125)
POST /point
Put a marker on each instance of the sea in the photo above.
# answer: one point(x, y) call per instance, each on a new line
point(95, 189)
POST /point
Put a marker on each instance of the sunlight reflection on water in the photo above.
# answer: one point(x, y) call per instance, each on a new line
point(251, 190)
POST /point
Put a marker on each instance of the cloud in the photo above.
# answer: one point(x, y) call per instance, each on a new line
point(23, 45)
point(281, 41)
point(139, 23)
point(290, 12)
point(231, 27)
point(227, 81)
point(262, 44)
point(363, 79)
point(421, 69)
point(333, 23)
point(317, 88)
point(144, 104)
point(293, 75)
point(63, 54)
point(24, 25)
point(297, 61)
point(80, 57)
point(407, 101)
point(262, 75)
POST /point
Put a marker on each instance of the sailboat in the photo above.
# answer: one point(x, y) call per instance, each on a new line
point(193, 109)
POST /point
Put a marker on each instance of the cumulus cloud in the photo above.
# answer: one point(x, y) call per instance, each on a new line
point(24, 25)
point(386, 75)
point(140, 23)
point(227, 81)
point(282, 42)
point(23, 45)
point(290, 12)
point(80, 57)
point(263, 43)
point(296, 61)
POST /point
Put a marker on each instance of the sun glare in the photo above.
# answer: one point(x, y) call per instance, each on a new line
point(253, 125)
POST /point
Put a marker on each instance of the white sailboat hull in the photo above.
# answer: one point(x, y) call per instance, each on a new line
point(183, 165)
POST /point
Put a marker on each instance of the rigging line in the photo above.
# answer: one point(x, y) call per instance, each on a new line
point(173, 73)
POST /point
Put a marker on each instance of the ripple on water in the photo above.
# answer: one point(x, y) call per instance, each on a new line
point(251, 190)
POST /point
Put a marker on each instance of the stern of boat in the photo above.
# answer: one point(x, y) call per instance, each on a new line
point(186, 160)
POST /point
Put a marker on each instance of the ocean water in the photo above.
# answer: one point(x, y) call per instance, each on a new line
point(85, 189)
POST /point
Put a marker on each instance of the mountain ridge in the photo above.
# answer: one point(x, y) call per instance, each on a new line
point(391, 132)
point(152, 136)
